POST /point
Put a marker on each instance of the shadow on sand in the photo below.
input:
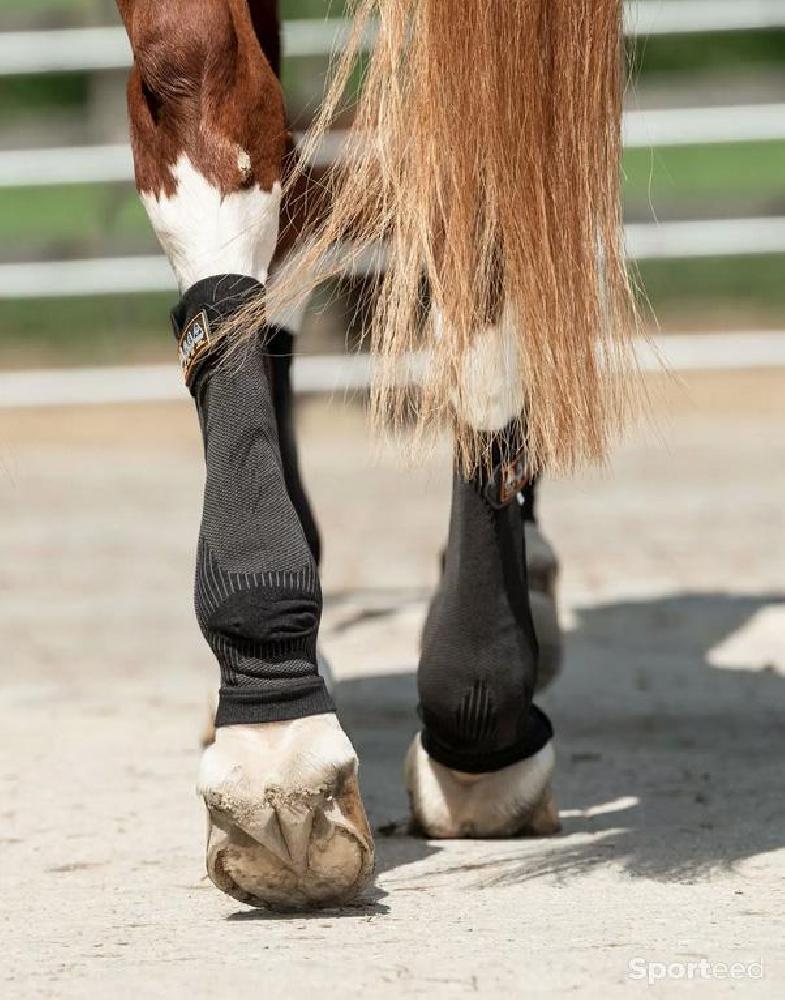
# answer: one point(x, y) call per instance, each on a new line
point(669, 766)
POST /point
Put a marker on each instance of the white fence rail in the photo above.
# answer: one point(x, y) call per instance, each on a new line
point(126, 275)
point(92, 49)
point(352, 372)
point(66, 165)
point(89, 50)
point(704, 126)
point(100, 164)
point(642, 129)
point(680, 17)
point(709, 238)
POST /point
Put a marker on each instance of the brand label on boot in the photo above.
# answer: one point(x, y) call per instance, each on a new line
point(512, 478)
point(193, 342)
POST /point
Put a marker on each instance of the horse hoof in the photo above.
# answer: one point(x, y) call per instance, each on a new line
point(514, 801)
point(286, 824)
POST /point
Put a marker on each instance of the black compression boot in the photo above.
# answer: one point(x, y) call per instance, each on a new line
point(542, 569)
point(257, 594)
point(478, 666)
point(280, 347)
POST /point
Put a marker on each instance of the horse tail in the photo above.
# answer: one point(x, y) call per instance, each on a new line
point(487, 161)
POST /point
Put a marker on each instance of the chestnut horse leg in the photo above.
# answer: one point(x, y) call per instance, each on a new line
point(286, 823)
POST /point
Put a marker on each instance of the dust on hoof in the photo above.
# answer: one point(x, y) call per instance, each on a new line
point(514, 801)
point(286, 824)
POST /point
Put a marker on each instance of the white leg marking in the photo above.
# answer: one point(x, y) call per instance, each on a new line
point(489, 394)
point(205, 233)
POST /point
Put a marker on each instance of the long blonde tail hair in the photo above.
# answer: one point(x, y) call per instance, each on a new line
point(487, 161)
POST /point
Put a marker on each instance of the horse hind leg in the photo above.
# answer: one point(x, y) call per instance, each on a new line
point(483, 763)
point(287, 826)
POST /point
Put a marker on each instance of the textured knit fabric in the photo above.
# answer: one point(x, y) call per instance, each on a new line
point(257, 594)
point(280, 347)
point(479, 654)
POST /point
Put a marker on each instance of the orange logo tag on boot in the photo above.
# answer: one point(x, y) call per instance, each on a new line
point(512, 478)
point(193, 342)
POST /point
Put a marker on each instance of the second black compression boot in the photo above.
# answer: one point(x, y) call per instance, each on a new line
point(483, 762)
point(478, 664)
point(279, 343)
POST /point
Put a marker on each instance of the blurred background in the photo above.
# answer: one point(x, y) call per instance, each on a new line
point(79, 266)
point(669, 708)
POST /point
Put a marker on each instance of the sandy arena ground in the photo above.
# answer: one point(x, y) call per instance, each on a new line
point(670, 716)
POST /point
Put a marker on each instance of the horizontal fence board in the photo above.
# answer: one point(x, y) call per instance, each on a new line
point(679, 17)
point(642, 129)
point(704, 126)
point(127, 275)
point(105, 164)
point(90, 50)
point(709, 238)
point(352, 372)
point(107, 48)
point(66, 165)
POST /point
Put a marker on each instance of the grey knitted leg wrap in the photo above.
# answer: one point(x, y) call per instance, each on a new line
point(257, 594)
point(280, 346)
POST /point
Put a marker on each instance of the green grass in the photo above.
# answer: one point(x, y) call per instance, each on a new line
point(74, 214)
point(743, 283)
point(21, 96)
point(106, 330)
point(75, 7)
point(295, 9)
point(690, 176)
point(718, 51)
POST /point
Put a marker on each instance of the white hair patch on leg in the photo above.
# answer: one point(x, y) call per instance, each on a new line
point(205, 232)
point(489, 394)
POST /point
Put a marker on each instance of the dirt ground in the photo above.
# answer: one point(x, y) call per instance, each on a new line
point(670, 717)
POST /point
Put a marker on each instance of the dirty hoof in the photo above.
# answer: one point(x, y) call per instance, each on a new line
point(286, 824)
point(513, 801)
